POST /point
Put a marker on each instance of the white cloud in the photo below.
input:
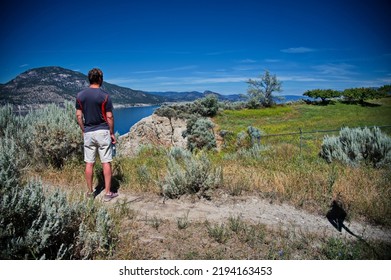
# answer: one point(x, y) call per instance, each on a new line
point(298, 50)
point(202, 80)
point(23, 65)
point(219, 80)
point(270, 60)
point(340, 69)
point(247, 60)
point(301, 79)
point(182, 68)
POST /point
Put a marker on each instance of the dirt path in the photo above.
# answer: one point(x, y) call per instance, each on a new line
point(250, 208)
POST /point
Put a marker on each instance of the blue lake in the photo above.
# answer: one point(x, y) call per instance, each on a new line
point(125, 118)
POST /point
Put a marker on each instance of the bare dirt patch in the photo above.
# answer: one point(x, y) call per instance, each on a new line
point(249, 208)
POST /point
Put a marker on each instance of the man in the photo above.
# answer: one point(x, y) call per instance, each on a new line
point(95, 106)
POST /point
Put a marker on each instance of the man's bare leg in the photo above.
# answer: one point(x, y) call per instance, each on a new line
point(107, 174)
point(89, 175)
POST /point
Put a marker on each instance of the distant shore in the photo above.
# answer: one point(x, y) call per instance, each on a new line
point(120, 106)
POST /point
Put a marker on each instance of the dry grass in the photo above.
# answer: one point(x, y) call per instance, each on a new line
point(237, 239)
point(283, 172)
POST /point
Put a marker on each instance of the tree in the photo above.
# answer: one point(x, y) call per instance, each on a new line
point(207, 106)
point(361, 94)
point(323, 94)
point(384, 90)
point(261, 91)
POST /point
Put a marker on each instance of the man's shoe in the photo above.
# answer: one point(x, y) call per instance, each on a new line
point(110, 196)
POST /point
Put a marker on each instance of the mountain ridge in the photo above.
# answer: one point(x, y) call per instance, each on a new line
point(54, 84)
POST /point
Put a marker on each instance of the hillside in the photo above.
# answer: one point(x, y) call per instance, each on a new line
point(44, 85)
point(56, 85)
point(193, 95)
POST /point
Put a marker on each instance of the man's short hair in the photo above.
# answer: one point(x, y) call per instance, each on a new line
point(95, 76)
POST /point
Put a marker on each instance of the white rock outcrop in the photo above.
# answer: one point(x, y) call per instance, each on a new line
point(153, 130)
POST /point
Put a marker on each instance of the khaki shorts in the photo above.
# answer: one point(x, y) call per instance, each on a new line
point(97, 141)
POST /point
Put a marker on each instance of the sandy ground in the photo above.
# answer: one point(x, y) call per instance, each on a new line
point(249, 208)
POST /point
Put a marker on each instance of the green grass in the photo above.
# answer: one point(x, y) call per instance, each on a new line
point(289, 168)
point(287, 119)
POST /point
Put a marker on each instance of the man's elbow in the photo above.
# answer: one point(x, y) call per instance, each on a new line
point(110, 117)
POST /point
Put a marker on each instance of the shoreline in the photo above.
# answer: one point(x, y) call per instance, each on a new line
point(121, 106)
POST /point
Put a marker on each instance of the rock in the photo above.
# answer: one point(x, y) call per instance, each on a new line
point(153, 130)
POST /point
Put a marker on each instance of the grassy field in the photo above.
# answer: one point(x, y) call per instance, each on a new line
point(287, 169)
point(286, 119)
point(290, 168)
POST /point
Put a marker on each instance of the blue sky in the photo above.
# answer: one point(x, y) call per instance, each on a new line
point(202, 45)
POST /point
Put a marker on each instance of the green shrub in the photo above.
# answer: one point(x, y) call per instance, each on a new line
point(248, 143)
point(41, 224)
point(6, 118)
point(219, 232)
point(356, 145)
point(253, 153)
point(183, 222)
point(255, 135)
point(179, 153)
point(35, 224)
point(11, 164)
point(339, 249)
point(17, 128)
point(56, 135)
point(200, 134)
point(193, 176)
point(203, 107)
point(207, 106)
point(47, 136)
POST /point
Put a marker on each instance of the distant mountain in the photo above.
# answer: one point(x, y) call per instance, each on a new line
point(55, 85)
point(193, 95)
point(40, 86)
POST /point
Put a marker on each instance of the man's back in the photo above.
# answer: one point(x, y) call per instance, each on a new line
point(95, 103)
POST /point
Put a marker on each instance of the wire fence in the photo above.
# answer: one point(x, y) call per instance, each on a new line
point(302, 138)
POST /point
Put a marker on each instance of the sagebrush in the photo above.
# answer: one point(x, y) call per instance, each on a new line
point(37, 222)
point(190, 175)
point(356, 145)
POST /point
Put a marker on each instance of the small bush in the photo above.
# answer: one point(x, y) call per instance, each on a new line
point(203, 107)
point(207, 106)
point(39, 225)
point(17, 128)
point(193, 176)
point(11, 164)
point(200, 134)
point(338, 249)
point(356, 145)
point(219, 233)
point(255, 135)
point(56, 135)
point(48, 136)
point(253, 153)
point(179, 153)
point(236, 224)
point(183, 222)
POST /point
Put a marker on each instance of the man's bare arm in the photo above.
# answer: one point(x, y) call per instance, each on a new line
point(110, 122)
point(79, 117)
